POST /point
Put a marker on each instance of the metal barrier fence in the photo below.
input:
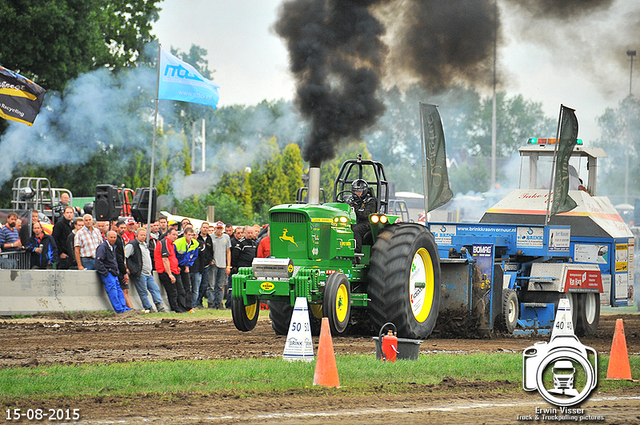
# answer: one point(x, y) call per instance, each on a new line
point(20, 260)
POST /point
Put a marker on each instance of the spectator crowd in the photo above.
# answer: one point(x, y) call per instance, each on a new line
point(191, 264)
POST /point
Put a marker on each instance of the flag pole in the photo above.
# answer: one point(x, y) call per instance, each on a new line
point(424, 168)
point(153, 144)
point(553, 167)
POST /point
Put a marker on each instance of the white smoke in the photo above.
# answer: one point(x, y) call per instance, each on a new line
point(98, 111)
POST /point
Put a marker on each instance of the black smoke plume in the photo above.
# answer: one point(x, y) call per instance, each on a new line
point(341, 50)
point(336, 55)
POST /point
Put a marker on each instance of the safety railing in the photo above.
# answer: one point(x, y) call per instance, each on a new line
point(19, 260)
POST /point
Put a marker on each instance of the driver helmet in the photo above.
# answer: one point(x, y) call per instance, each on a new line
point(359, 187)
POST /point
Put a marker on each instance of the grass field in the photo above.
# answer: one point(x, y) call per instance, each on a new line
point(272, 376)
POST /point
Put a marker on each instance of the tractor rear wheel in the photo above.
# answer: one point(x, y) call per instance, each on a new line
point(280, 314)
point(404, 280)
point(588, 314)
point(336, 303)
point(245, 317)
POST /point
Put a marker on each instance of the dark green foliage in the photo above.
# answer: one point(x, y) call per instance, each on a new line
point(54, 41)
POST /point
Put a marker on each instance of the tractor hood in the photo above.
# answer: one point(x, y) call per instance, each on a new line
point(594, 216)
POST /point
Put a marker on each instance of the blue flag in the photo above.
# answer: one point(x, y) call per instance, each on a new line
point(180, 81)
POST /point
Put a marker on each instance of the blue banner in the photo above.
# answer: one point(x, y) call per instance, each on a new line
point(180, 81)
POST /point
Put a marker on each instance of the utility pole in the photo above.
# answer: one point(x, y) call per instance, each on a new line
point(631, 54)
point(494, 130)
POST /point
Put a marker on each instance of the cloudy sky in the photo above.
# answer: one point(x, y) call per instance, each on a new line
point(579, 61)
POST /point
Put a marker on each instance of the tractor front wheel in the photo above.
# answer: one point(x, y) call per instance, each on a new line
point(404, 280)
point(336, 303)
point(245, 317)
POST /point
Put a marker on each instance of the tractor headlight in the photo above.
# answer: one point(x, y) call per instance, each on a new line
point(375, 219)
point(344, 220)
point(383, 219)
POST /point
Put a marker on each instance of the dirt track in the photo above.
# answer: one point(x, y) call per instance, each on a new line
point(53, 339)
point(90, 339)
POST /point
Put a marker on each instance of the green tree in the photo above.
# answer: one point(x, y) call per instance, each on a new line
point(517, 120)
point(236, 186)
point(291, 165)
point(268, 183)
point(396, 140)
point(57, 40)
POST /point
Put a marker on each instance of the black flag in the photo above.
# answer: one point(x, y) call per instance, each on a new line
point(438, 190)
point(20, 98)
point(562, 202)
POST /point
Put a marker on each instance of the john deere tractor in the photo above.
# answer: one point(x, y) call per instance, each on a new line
point(393, 277)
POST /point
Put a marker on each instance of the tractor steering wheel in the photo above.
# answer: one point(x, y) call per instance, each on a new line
point(340, 196)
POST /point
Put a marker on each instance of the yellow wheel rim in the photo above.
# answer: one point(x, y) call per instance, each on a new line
point(421, 285)
point(342, 303)
point(251, 310)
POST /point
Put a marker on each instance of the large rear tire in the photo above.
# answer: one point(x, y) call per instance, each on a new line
point(404, 280)
point(245, 317)
point(588, 314)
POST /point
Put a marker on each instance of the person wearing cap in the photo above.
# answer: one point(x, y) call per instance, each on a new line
point(129, 234)
point(221, 264)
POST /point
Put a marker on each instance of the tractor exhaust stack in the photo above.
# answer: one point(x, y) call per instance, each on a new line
point(314, 183)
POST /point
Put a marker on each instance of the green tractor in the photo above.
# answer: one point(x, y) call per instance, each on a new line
point(393, 277)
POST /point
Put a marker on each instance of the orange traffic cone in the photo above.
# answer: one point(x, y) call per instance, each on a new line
point(326, 373)
point(619, 358)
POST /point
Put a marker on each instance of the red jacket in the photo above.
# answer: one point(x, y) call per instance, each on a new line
point(165, 248)
point(264, 248)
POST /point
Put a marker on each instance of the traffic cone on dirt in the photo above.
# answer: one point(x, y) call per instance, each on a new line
point(619, 367)
point(326, 373)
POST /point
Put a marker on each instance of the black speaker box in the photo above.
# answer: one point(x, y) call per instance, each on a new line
point(105, 207)
point(140, 204)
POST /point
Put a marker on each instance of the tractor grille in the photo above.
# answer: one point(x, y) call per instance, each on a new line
point(288, 217)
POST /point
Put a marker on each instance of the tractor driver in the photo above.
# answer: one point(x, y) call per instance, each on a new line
point(364, 204)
